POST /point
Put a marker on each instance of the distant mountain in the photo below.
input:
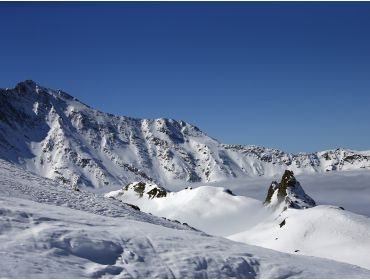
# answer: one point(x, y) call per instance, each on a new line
point(56, 136)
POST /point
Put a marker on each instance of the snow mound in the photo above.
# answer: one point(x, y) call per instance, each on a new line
point(289, 223)
point(214, 210)
point(50, 231)
point(47, 241)
point(322, 231)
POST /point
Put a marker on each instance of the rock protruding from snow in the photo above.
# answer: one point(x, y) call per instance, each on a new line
point(140, 190)
point(290, 192)
point(203, 207)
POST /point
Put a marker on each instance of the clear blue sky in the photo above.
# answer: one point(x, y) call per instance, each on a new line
point(294, 76)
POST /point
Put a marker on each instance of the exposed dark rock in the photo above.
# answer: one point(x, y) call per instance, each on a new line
point(290, 192)
point(157, 192)
point(288, 180)
point(142, 188)
point(133, 206)
point(282, 223)
point(229, 192)
point(271, 190)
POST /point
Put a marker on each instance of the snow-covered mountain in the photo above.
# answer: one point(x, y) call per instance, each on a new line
point(51, 144)
point(56, 136)
point(50, 231)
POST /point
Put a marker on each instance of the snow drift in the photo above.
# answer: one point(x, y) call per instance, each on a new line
point(50, 231)
point(288, 220)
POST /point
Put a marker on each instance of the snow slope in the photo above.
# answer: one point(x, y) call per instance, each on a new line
point(47, 231)
point(322, 231)
point(211, 209)
point(56, 136)
point(286, 223)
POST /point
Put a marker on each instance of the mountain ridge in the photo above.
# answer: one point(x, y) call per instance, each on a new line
point(53, 134)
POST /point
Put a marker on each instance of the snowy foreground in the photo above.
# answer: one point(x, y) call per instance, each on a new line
point(323, 231)
point(50, 230)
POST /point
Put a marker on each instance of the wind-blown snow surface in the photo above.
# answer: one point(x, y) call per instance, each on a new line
point(56, 136)
point(322, 231)
point(211, 209)
point(48, 230)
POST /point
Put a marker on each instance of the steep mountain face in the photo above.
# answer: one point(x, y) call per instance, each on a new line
point(288, 193)
point(56, 136)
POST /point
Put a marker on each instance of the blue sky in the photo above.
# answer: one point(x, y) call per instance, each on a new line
point(293, 76)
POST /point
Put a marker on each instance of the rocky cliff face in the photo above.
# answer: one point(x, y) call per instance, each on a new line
point(56, 136)
point(288, 193)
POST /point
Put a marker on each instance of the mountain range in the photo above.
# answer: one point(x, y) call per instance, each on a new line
point(54, 135)
point(89, 194)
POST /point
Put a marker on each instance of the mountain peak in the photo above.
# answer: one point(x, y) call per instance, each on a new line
point(26, 85)
point(50, 132)
point(32, 87)
point(287, 181)
point(28, 82)
point(289, 192)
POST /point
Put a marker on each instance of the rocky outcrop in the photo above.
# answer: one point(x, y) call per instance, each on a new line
point(288, 192)
point(140, 189)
